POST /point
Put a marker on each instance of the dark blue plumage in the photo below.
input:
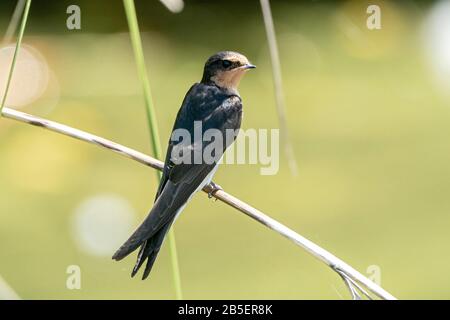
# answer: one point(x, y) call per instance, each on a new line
point(216, 106)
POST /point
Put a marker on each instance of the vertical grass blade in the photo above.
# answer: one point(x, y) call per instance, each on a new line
point(136, 41)
point(16, 52)
point(278, 85)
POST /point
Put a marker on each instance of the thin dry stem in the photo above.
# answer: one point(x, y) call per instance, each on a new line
point(339, 266)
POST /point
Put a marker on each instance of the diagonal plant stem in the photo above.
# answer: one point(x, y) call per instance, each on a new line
point(340, 267)
point(278, 85)
point(352, 278)
point(358, 287)
point(6, 292)
point(16, 52)
point(14, 22)
point(355, 294)
point(353, 287)
point(136, 42)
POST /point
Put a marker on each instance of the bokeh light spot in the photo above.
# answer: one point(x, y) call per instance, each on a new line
point(358, 40)
point(175, 6)
point(30, 78)
point(436, 31)
point(41, 162)
point(101, 223)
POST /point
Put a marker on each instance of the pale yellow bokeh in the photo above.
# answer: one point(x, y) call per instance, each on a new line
point(30, 78)
point(41, 161)
point(361, 42)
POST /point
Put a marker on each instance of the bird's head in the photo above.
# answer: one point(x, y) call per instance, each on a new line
point(225, 69)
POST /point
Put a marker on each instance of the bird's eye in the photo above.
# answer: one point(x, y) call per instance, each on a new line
point(226, 63)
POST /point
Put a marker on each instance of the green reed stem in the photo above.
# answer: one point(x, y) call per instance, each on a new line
point(136, 41)
point(16, 52)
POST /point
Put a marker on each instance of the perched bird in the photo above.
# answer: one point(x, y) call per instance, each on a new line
point(215, 104)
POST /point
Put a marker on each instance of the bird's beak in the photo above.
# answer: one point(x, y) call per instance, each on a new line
point(248, 66)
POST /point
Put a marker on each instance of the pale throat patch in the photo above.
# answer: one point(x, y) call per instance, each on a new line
point(229, 79)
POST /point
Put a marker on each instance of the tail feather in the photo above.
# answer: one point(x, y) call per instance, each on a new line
point(140, 238)
point(143, 253)
point(149, 251)
point(163, 213)
point(150, 261)
point(150, 234)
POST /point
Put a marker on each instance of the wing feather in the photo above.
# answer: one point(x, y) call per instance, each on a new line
point(179, 181)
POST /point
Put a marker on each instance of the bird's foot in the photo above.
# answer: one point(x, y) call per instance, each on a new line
point(214, 189)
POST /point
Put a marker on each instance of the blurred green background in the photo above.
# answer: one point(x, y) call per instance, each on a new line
point(369, 114)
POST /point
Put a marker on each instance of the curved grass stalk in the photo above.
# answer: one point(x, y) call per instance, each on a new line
point(337, 265)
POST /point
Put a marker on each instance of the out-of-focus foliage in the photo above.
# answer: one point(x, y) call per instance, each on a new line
point(369, 123)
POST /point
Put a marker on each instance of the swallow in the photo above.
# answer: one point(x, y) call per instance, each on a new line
point(214, 103)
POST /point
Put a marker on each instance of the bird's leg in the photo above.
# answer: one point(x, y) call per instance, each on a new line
point(214, 188)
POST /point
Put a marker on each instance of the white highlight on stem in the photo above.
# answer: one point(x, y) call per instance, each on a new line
point(355, 279)
point(174, 6)
point(6, 292)
point(31, 75)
